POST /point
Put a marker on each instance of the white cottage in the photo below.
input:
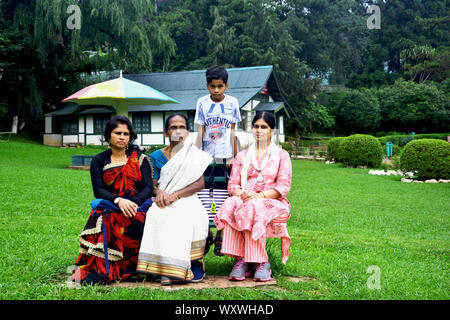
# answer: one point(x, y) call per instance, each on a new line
point(256, 89)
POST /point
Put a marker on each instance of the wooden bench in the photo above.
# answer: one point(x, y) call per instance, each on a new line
point(82, 162)
point(220, 195)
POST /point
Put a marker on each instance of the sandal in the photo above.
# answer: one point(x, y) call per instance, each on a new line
point(166, 281)
point(218, 243)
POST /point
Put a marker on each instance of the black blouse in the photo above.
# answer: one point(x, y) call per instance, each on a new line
point(144, 188)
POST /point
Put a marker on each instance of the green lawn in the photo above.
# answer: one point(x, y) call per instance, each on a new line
point(343, 221)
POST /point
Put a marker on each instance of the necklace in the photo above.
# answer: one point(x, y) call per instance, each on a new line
point(260, 168)
point(118, 158)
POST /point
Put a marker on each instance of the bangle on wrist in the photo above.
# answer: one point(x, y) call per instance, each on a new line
point(176, 196)
point(264, 195)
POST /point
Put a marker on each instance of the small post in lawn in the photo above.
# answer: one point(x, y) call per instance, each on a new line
point(389, 150)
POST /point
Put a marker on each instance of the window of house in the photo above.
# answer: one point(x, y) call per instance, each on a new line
point(141, 122)
point(100, 123)
point(69, 125)
point(241, 124)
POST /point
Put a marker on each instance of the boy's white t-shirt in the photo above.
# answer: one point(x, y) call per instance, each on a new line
point(217, 118)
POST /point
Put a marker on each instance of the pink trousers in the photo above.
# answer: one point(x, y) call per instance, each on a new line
point(246, 226)
point(239, 244)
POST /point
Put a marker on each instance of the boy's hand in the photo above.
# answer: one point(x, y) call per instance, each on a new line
point(229, 163)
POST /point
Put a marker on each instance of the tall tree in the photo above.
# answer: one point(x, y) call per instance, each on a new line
point(54, 51)
point(404, 25)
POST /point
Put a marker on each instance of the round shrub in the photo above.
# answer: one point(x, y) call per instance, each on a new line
point(429, 157)
point(361, 150)
point(333, 148)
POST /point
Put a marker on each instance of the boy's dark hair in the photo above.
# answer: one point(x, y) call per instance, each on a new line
point(114, 123)
point(267, 117)
point(216, 73)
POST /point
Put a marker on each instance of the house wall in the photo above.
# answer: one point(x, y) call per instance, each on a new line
point(151, 139)
point(90, 124)
point(72, 138)
point(157, 121)
point(281, 125)
point(48, 125)
point(87, 136)
point(95, 139)
point(53, 140)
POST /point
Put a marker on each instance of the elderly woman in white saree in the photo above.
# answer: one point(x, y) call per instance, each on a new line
point(176, 226)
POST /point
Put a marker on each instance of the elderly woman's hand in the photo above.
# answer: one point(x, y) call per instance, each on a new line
point(162, 199)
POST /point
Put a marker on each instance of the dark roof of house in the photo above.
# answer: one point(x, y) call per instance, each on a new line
point(269, 106)
point(69, 109)
point(73, 108)
point(187, 87)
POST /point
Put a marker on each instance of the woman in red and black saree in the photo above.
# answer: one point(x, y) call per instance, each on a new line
point(122, 181)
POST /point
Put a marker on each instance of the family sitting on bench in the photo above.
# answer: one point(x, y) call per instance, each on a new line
point(147, 217)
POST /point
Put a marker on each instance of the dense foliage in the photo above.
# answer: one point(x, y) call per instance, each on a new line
point(42, 60)
point(430, 158)
point(409, 106)
point(333, 148)
point(403, 139)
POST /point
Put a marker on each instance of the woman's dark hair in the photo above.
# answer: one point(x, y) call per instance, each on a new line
point(166, 125)
point(216, 73)
point(267, 117)
point(114, 123)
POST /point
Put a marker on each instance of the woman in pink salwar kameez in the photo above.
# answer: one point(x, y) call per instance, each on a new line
point(258, 207)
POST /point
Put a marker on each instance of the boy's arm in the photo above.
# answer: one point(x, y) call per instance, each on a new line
point(200, 120)
point(237, 118)
point(199, 140)
point(234, 144)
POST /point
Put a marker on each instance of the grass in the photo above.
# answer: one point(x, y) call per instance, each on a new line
point(342, 221)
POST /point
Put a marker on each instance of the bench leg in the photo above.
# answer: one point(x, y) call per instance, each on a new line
point(209, 241)
point(218, 243)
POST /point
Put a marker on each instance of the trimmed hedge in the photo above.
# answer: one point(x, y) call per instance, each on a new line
point(403, 139)
point(333, 148)
point(429, 157)
point(361, 150)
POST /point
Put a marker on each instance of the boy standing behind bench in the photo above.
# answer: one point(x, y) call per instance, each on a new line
point(217, 114)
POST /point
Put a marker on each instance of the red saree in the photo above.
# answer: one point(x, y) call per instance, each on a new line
point(123, 235)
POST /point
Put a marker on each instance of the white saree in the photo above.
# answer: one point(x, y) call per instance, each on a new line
point(175, 235)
